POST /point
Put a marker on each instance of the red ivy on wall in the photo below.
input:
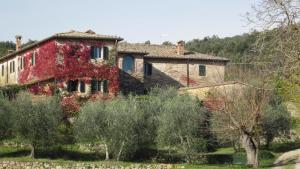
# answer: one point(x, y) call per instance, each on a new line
point(44, 63)
point(63, 62)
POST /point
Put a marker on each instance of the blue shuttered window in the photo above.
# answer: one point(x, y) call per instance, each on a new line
point(128, 63)
point(202, 70)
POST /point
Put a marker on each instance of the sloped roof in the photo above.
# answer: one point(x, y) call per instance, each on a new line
point(89, 34)
point(164, 51)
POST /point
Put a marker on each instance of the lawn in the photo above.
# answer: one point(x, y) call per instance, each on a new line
point(222, 158)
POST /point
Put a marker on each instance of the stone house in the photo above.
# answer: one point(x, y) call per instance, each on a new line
point(154, 65)
point(86, 63)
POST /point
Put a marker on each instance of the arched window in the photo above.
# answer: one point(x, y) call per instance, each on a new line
point(128, 64)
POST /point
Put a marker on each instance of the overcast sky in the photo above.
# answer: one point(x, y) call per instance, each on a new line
point(134, 20)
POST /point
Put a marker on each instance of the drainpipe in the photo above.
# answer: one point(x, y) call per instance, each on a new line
point(7, 72)
point(188, 72)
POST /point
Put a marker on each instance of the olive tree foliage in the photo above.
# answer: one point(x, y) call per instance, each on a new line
point(36, 122)
point(276, 120)
point(5, 117)
point(179, 124)
point(128, 125)
point(121, 124)
point(238, 117)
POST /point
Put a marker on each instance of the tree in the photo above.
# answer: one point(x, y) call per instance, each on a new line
point(121, 124)
point(276, 120)
point(237, 115)
point(5, 117)
point(167, 43)
point(279, 43)
point(91, 124)
point(5, 47)
point(147, 42)
point(36, 122)
point(179, 125)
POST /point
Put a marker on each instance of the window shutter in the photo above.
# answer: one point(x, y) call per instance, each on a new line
point(150, 70)
point(13, 63)
point(92, 52)
point(202, 70)
point(106, 53)
point(82, 87)
point(105, 86)
point(94, 86)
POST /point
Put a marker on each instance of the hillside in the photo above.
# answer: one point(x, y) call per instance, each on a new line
point(5, 46)
point(237, 48)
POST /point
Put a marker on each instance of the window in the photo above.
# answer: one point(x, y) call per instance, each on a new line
point(2, 70)
point(82, 87)
point(22, 63)
point(99, 86)
point(128, 64)
point(147, 69)
point(33, 58)
point(72, 85)
point(202, 70)
point(12, 67)
point(105, 53)
point(95, 52)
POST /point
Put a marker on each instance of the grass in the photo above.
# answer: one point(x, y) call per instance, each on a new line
point(220, 159)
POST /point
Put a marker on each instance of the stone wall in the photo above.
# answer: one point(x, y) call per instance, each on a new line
point(5, 164)
point(132, 82)
point(174, 72)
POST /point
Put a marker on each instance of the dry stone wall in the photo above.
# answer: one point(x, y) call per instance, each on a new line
point(5, 164)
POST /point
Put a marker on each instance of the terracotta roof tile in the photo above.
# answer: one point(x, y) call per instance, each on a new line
point(164, 51)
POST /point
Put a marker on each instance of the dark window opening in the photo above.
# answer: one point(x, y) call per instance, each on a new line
point(33, 59)
point(128, 64)
point(147, 69)
point(2, 70)
point(105, 53)
point(99, 86)
point(202, 70)
point(105, 86)
point(13, 66)
point(72, 85)
point(82, 87)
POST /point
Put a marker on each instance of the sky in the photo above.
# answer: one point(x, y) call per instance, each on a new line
point(133, 20)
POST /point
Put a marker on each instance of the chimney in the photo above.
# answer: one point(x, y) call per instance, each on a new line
point(180, 47)
point(18, 42)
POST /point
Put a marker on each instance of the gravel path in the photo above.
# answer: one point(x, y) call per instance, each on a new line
point(297, 166)
point(286, 157)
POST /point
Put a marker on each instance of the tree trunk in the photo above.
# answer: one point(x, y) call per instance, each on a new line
point(32, 152)
point(252, 150)
point(120, 152)
point(106, 152)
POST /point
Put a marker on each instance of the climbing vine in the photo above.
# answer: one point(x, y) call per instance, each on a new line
point(66, 61)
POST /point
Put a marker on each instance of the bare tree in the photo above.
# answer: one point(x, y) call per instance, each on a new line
point(279, 41)
point(237, 116)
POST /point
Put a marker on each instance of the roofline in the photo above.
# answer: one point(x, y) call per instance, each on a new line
point(133, 52)
point(55, 37)
point(185, 58)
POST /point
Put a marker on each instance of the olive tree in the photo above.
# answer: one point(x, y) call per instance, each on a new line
point(276, 120)
point(237, 115)
point(121, 124)
point(91, 124)
point(5, 117)
point(36, 122)
point(179, 124)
